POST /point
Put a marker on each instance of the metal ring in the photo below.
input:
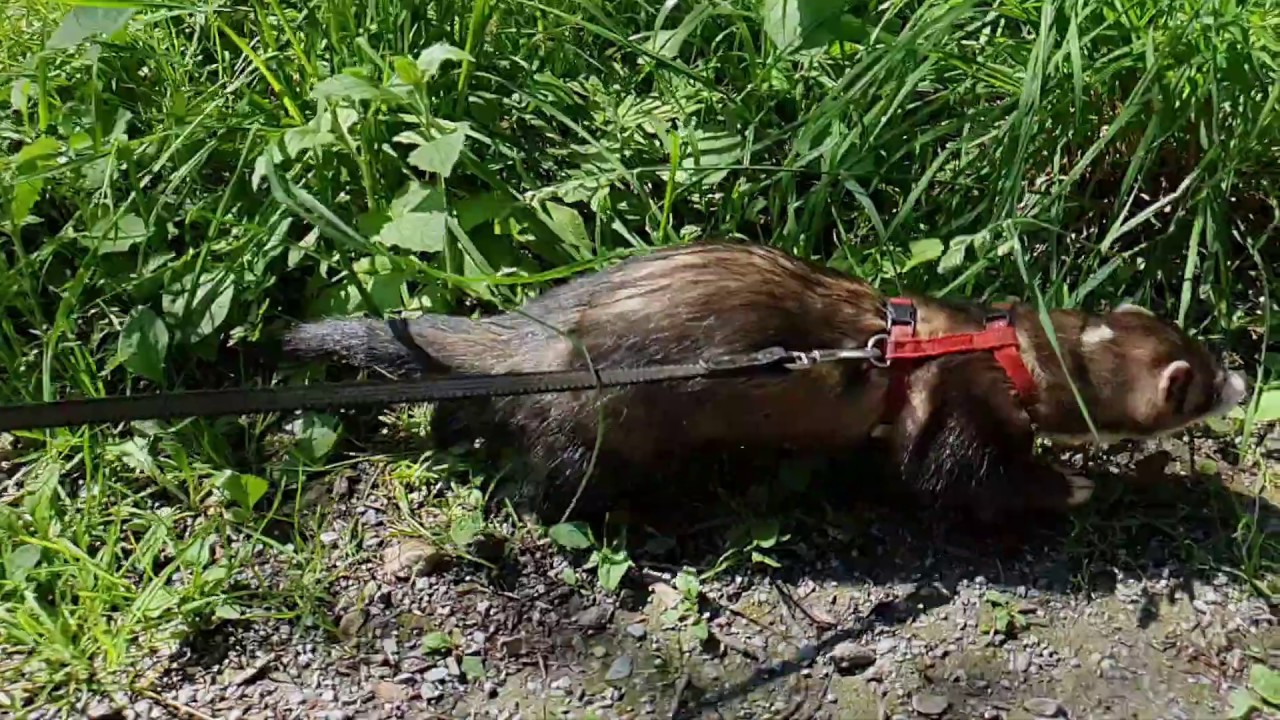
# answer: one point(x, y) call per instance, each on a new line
point(881, 356)
point(800, 360)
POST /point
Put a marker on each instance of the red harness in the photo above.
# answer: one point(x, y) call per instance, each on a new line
point(999, 337)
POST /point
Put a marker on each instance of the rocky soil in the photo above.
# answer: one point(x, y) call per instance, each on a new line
point(1143, 610)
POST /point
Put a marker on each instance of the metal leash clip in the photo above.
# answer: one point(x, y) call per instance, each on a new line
point(873, 353)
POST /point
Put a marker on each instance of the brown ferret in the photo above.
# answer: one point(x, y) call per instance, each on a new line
point(962, 436)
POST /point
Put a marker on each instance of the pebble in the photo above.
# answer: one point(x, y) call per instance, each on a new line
point(929, 703)
point(391, 692)
point(620, 669)
point(1043, 707)
point(436, 675)
point(636, 630)
point(411, 555)
point(849, 657)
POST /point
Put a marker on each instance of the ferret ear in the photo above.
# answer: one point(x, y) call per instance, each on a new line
point(1174, 381)
point(1130, 307)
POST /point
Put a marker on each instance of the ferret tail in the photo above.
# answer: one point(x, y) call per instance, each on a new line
point(426, 344)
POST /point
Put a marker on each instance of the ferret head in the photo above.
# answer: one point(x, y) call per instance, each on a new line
point(1140, 377)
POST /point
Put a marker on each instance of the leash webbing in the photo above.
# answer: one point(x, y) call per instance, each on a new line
point(242, 401)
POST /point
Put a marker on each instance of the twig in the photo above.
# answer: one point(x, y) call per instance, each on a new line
point(174, 705)
point(793, 603)
point(681, 685)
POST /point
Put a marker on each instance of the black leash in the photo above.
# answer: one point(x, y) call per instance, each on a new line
point(240, 401)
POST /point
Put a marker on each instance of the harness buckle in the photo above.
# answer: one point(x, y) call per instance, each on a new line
point(901, 312)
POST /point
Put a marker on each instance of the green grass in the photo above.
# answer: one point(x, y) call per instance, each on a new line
point(180, 189)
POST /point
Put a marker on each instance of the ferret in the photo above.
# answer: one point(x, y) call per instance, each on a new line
point(961, 436)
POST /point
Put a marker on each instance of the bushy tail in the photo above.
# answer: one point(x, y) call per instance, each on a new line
point(430, 344)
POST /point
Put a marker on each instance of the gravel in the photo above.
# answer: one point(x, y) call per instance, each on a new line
point(880, 619)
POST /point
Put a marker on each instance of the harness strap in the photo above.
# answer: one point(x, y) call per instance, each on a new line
point(999, 337)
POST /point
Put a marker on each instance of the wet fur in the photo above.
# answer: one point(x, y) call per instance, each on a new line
point(964, 440)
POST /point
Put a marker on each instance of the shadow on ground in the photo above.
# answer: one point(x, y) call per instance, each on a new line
point(859, 604)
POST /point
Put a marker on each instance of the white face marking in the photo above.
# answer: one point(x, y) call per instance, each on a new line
point(1234, 390)
point(1095, 335)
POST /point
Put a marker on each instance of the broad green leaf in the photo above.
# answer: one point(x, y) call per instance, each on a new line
point(955, 253)
point(42, 147)
point(1269, 405)
point(121, 235)
point(25, 196)
point(436, 641)
point(429, 60)
point(1266, 682)
point(419, 220)
point(244, 490)
point(439, 154)
point(84, 21)
point(21, 561)
point(197, 315)
point(612, 568)
point(134, 453)
point(304, 138)
point(344, 86)
point(419, 232)
point(144, 342)
point(800, 24)
point(923, 251)
point(20, 93)
point(763, 559)
point(407, 71)
point(572, 535)
point(568, 224)
point(316, 435)
point(155, 599)
point(482, 207)
point(1243, 703)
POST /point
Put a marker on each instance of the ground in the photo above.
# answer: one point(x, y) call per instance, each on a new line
point(1150, 604)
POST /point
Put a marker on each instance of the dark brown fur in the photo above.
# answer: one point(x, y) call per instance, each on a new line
point(963, 438)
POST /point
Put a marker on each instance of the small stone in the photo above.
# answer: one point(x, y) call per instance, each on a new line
point(1043, 707)
point(599, 651)
point(512, 645)
point(436, 675)
point(414, 664)
point(1022, 662)
point(636, 630)
point(391, 692)
point(105, 711)
point(929, 703)
point(411, 555)
point(667, 596)
point(451, 664)
point(336, 715)
point(594, 617)
point(564, 682)
point(887, 646)
point(620, 669)
point(350, 624)
point(850, 657)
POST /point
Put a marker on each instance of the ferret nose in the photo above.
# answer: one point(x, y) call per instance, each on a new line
point(1235, 388)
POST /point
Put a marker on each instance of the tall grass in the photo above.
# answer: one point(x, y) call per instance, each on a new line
point(179, 181)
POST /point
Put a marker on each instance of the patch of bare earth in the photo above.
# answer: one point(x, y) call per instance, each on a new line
point(1143, 609)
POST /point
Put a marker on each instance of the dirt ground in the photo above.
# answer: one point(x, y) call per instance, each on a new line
point(1150, 604)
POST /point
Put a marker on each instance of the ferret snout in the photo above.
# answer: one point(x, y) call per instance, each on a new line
point(1235, 387)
